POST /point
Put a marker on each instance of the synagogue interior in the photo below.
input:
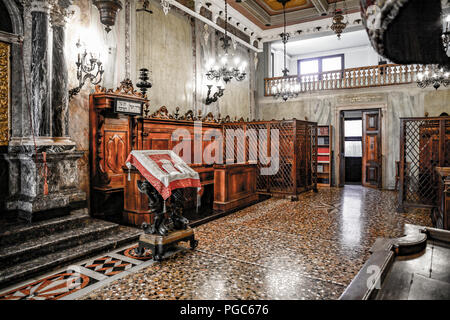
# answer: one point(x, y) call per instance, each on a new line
point(224, 150)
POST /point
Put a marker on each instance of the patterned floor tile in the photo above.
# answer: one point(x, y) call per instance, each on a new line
point(276, 249)
point(130, 253)
point(107, 265)
point(51, 287)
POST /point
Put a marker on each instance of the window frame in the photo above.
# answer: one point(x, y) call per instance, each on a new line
point(353, 138)
point(320, 59)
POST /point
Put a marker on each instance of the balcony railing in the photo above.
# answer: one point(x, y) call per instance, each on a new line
point(363, 77)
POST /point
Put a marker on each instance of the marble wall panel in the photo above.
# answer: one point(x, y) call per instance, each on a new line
point(164, 46)
point(399, 101)
point(436, 102)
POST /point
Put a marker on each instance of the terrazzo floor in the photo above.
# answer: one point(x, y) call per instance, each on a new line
point(276, 249)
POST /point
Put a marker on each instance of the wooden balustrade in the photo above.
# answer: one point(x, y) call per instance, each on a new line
point(363, 77)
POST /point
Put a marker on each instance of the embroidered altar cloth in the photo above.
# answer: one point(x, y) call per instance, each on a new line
point(164, 170)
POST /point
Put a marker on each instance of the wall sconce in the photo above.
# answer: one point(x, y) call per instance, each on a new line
point(87, 69)
point(215, 96)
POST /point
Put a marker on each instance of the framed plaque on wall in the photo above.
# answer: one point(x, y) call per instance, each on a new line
point(128, 107)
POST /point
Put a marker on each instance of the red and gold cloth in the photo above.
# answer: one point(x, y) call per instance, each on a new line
point(164, 169)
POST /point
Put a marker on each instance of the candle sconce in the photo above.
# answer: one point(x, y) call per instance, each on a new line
point(215, 96)
point(87, 69)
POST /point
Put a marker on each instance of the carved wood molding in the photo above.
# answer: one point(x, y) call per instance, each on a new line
point(126, 89)
point(101, 178)
point(162, 113)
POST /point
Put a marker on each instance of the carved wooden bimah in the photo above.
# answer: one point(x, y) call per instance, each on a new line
point(164, 176)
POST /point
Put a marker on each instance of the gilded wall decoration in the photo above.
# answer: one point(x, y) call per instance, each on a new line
point(4, 93)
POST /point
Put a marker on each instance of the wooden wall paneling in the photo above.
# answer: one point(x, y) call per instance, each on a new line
point(111, 138)
point(136, 209)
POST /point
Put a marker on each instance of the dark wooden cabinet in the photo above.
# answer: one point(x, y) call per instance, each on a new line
point(441, 214)
point(110, 144)
point(235, 186)
point(424, 145)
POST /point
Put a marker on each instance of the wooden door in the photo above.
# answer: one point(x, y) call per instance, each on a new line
point(341, 155)
point(371, 138)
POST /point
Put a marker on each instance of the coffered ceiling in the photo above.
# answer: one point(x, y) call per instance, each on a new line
point(268, 14)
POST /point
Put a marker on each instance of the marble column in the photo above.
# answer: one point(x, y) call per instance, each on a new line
point(60, 99)
point(40, 91)
point(43, 170)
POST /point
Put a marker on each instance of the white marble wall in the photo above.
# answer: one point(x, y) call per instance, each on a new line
point(164, 46)
point(395, 101)
point(177, 50)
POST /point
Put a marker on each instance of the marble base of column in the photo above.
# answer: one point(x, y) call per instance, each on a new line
point(27, 181)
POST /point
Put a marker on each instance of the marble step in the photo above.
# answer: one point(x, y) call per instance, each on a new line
point(52, 261)
point(92, 229)
point(20, 231)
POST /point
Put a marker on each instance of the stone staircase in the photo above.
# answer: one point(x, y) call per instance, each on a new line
point(29, 250)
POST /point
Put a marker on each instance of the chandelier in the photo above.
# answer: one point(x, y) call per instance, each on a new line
point(286, 87)
point(446, 33)
point(436, 75)
point(224, 70)
point(433, 75)
point(108, 10)
point(338, 25)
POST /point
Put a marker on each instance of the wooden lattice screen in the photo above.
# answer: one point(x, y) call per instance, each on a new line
point(424, 145)
point(297, 154)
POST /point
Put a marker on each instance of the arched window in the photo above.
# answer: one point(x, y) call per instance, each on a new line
point(5, 19)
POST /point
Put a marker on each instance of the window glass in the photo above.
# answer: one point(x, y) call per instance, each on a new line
point(309, 66)
point(353, 128)
point(331, 64)
point(353, 149)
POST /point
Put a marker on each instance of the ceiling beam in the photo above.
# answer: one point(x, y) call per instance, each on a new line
point(321, 6)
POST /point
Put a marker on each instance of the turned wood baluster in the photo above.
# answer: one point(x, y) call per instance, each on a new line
point(391, 75)
point(361, 77)
point(365, 77)
point(379, 75)
point(335, 80)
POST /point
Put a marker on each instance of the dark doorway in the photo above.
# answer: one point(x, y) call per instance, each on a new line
point(352, 134)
